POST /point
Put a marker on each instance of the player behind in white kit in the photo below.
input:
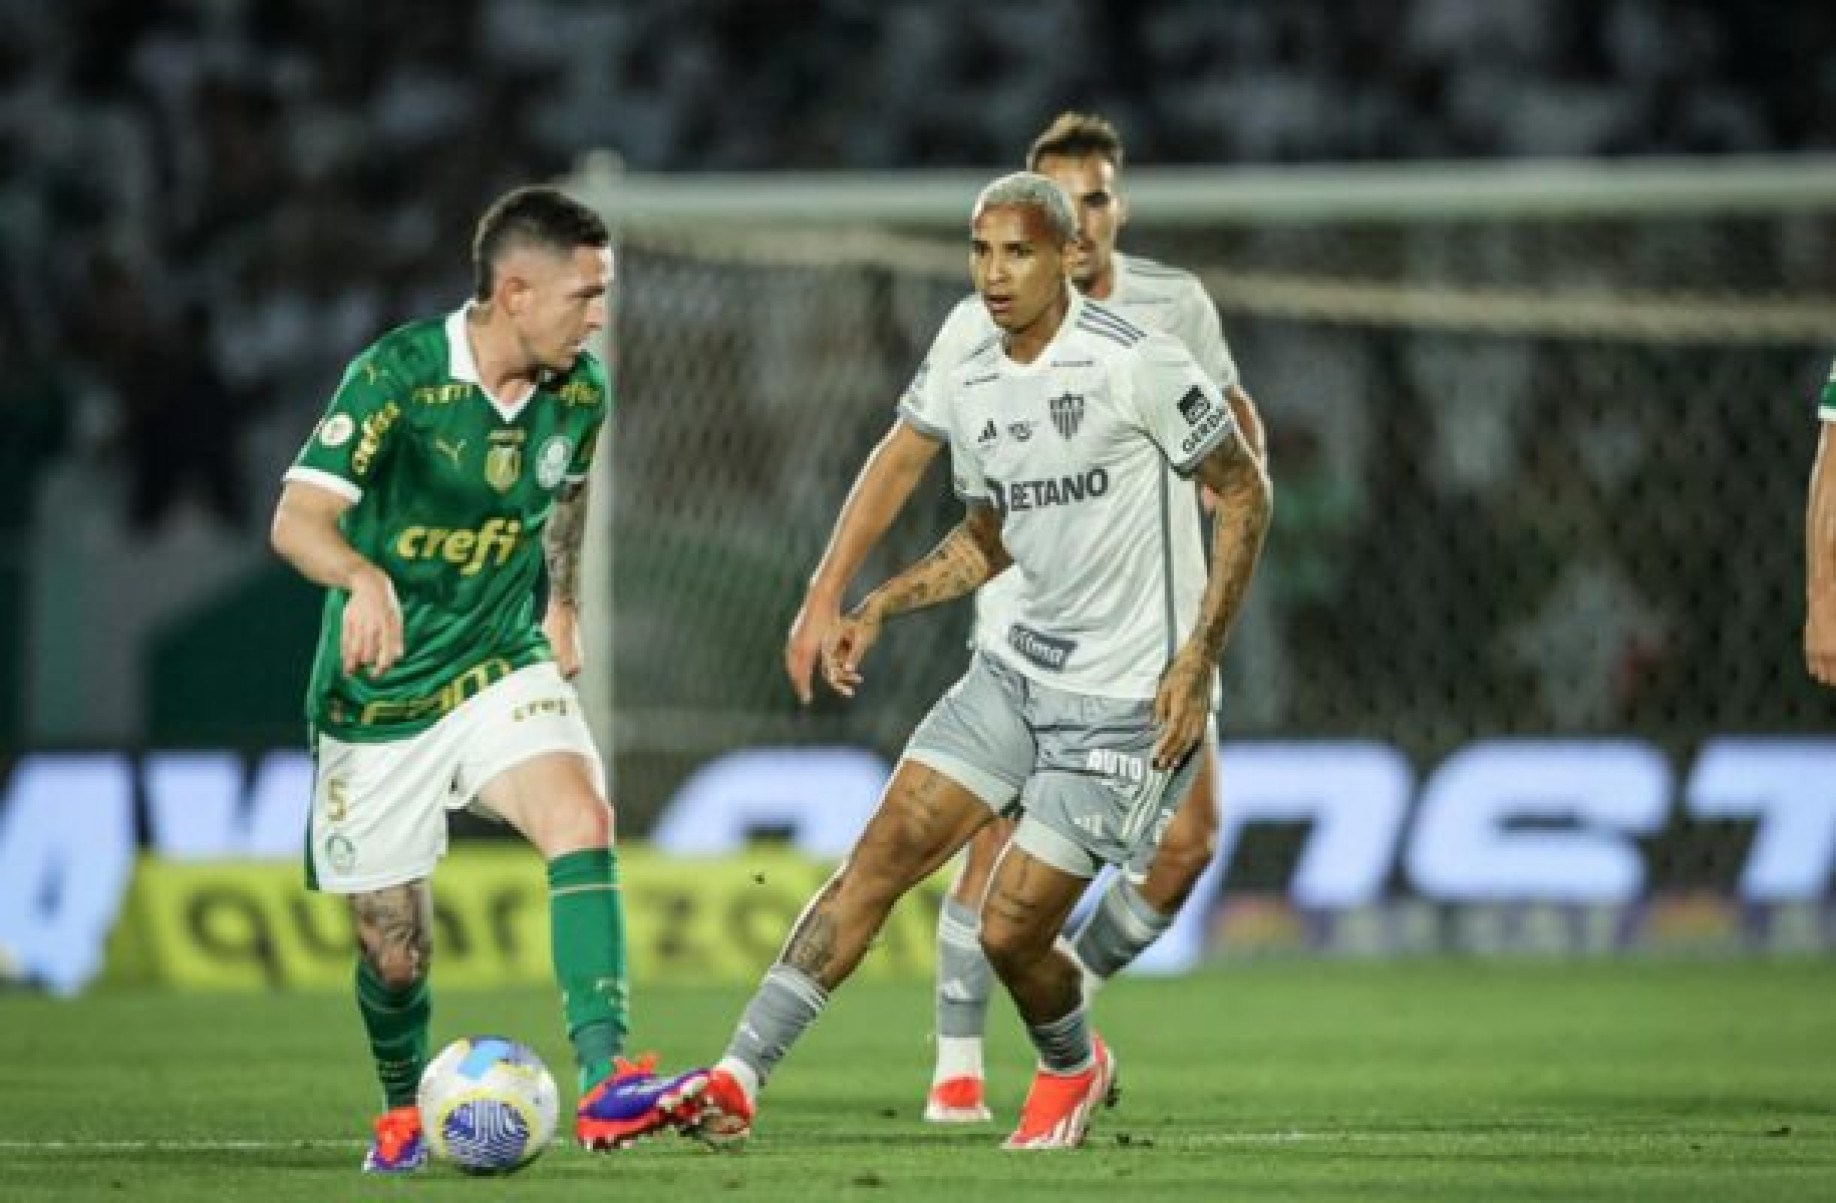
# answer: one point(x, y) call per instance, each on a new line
point(1084, 154)
point(1091, 705)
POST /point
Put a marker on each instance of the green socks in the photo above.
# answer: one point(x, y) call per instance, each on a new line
point(396, 1021)
point(587, 929)
point(587, 922)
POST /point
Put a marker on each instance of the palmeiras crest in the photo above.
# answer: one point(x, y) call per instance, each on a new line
point(1067, 413)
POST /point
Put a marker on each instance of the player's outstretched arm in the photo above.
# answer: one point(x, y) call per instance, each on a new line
point(1820, 562)
point(885, 483)
point(305, 533)
point(562, 540)
point(1245, 503)
point(968, 556)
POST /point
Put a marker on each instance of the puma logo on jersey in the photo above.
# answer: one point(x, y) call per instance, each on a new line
point(452, 451)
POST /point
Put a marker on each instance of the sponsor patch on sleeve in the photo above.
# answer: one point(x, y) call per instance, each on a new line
point(337, 430)
point(1194, 406)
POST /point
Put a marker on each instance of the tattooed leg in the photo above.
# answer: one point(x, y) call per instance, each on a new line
point(1027, 905)
point(923, 818)
point(394, 935)
point(395, 932)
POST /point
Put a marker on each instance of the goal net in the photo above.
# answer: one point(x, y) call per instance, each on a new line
point(1539, 439)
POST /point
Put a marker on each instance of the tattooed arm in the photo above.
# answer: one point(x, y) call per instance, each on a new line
point(561, 542)
point(1249, 421)
point(885, 482)
point(969, 555)
point(1234, 475)
point(1820, 561)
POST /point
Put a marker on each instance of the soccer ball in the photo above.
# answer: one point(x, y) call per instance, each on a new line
point(488, 1105)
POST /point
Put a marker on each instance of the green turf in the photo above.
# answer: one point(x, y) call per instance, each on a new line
point(1290, 1081)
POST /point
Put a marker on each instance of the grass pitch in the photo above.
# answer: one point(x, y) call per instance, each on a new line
point(1293, 1081)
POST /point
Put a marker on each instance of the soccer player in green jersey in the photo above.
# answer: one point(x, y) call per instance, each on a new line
point(451, 462)
point(1820, 547)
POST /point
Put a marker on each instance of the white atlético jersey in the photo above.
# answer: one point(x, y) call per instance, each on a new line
point(1157, 297)
point(1073, 451)
point(1147, 294)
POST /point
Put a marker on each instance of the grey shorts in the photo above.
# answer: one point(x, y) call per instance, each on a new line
point(1080, 766)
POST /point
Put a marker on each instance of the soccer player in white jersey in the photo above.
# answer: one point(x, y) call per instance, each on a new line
point(1820, 547)
point(1084, 154)
point(1092, 705)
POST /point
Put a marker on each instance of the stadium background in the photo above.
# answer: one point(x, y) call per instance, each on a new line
point(1535, 297)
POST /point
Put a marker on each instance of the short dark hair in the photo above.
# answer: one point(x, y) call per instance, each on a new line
point(532, 216)
point(1076, 136)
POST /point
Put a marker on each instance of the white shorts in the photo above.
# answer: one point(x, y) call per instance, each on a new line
point(379, 809)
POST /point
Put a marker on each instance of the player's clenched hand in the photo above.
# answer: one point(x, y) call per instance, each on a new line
point(1820, 639)
point(847, 644)
point(816, 618)
point(1182, 705)
point(561, 626)
point(372, 634)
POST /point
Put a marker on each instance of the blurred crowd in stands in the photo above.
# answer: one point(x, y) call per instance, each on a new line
point(209, 204)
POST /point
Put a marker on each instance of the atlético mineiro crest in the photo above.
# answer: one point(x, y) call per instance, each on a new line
point(1067, 413)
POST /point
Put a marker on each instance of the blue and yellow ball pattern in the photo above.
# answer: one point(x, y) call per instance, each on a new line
point(488, 1105)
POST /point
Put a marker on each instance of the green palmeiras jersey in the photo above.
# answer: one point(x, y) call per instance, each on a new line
point(452, 491)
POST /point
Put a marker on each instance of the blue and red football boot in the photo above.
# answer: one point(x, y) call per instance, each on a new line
point(634, 1102)
point(398, 1146)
